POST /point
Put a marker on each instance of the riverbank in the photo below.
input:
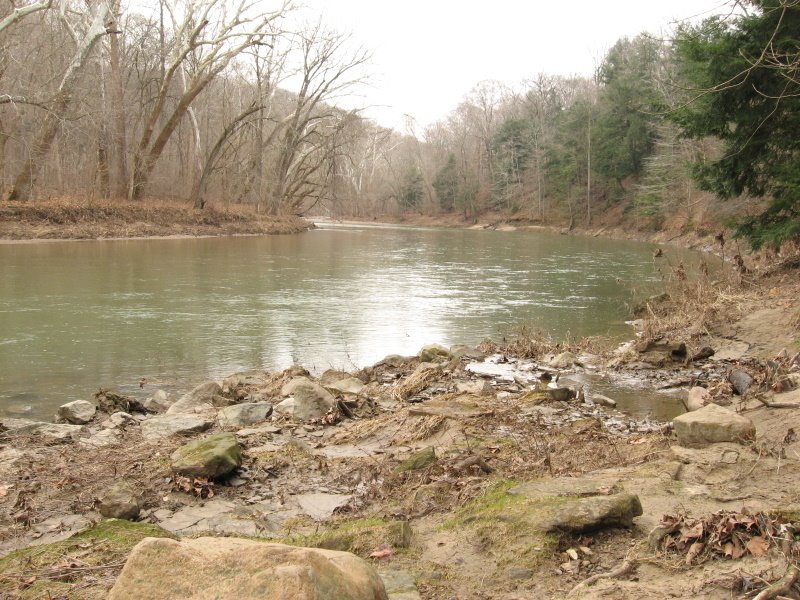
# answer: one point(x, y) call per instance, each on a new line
point(62, 220)
point(457, 471)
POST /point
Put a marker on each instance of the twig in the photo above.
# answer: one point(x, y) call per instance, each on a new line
point(782, 586)
point(769, 404)
point(626, 567)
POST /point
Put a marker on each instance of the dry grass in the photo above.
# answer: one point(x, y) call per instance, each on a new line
point(76, 219)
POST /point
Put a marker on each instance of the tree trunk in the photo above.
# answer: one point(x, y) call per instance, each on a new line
point(26, 178)
point(119, 136)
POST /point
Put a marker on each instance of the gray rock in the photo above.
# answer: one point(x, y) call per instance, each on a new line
point(565, 360)
point(168, 425)
point(242, 415)
point(712, 424)
point(434, 353)
point(201, 398)
point(480, 387)
point(399, 585)
point(603, 400)
point(243, 569)
point(159, 402)
point(698, 398)
point(118, 419)
point(231, 382)
point(467, 352)
point(308, 399)
point(320, 506)
point(212, 456)
point(591, 513)
point(103, 438)
point(350, 385)
point(78, 412)
point(120, 502)
point(395, 361)
point(53, 431)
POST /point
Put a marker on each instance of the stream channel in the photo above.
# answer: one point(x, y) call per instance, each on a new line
point(77, 316)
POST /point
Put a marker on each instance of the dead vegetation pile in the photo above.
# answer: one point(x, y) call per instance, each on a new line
point(69, 219)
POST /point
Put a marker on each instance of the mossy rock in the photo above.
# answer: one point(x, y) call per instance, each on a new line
point(419, 460)
point(359, 536)
point(212, 456)
point(107, 544)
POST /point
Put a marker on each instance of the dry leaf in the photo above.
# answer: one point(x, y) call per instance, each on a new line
point(757, 546)
point(694, 550)
point(573, 554)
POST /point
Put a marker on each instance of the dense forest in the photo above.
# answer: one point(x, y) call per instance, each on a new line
point(214, 101)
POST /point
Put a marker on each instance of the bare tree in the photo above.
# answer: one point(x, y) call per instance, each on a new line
point(327, 70)
point(206, 38)
point(26, 178)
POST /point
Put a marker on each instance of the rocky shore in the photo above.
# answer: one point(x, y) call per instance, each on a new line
point(492, 472)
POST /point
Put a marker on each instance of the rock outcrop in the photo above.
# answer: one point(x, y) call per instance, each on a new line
point(711, 424)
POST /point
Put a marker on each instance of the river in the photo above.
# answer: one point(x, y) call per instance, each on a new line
point(76, 316)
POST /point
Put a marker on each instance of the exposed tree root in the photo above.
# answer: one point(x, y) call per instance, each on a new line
point(627, 566)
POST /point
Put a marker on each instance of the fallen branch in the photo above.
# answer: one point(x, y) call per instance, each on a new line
point(782, 586)
point(770, 404)
point(474, 460)
point(627, 566)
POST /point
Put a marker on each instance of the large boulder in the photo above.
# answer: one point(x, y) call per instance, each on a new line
point(242, 415)
point(711, 424)
point(202, 398)
point(308, 400)
point(169, 425)
point(164, 569)
point(120, 502)
point(78, 412)
point(212, 456)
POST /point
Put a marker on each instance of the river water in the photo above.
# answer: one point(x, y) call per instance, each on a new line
point(76, 316)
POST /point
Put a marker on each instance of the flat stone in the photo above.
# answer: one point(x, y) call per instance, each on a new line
point(478, 388)
point(568, 486)
point(101, 439)
point(169, 425)
point(399, 585)
point(243, 569)
point(59, 432)
point(78, 412)
point(321, 506)
point(119, 419)
point(714, 454)
point(251, 431)
point(189, 517)
point(712, 424)
point(455, 408)
point(350, 385)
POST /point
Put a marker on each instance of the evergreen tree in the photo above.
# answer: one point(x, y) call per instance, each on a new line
point(748, 95)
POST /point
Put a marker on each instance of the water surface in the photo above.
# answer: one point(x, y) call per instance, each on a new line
point(75, 316)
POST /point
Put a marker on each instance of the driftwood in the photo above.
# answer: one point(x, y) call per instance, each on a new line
point(771, 404)
point(782, 586)
point(627, 566)
point(474, 460)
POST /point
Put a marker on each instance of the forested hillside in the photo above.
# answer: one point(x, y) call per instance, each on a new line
point(214, 102)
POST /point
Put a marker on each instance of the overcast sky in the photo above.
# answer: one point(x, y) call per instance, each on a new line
point(427, 54)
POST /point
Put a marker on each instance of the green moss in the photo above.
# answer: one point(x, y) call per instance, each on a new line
point(359, 536)
point(417, 461)
point(503, 526)
point(106, 546)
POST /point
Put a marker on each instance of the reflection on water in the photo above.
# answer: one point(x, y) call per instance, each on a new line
point(77, 316)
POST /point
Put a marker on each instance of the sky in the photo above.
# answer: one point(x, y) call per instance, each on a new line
point(428, 54)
